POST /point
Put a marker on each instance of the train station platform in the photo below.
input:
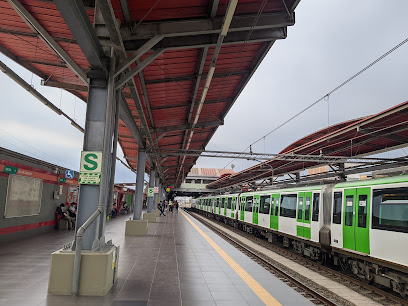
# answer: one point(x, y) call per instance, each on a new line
point(179, 262)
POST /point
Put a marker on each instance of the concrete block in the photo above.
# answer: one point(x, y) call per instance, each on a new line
point(150, 217)
point(62, 224)
point(136, 228)
point(97, 274)
point(157, 212)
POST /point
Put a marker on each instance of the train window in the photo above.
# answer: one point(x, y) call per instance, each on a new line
point(276, 206)
point(229, 201)
point(315, 211)
point(390, 209)
point(348, 212)
point(223, 203)
point(337, 207)
point(273, 206)
point(233, 204)
point(265, 205)
point(249, 204)
point(300, 208)
point(217, 202)
point(362, 211)
point(307, 209)
point(288, 205)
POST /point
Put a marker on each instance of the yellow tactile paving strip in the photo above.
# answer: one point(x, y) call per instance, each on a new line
point(253, 284)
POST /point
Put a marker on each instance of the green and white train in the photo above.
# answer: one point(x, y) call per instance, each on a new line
point(360, 225)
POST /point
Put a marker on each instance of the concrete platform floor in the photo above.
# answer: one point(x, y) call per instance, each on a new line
point(173, 265)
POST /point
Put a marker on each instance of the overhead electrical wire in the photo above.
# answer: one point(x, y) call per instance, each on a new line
point(326, 95)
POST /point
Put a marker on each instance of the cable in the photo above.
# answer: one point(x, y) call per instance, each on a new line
point(328, 94)
point(157, 2)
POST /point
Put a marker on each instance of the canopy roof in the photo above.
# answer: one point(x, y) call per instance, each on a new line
point(174, 42)
point(360, 137)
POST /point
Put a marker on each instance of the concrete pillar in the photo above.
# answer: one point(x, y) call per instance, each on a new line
point(156, 195)
point(138, 200)
point(151, 185)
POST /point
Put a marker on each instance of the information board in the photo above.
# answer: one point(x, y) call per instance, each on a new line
point(23, 196)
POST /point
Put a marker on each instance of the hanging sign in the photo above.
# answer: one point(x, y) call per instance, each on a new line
point(150, 192)
point(156, 189)
point(91, 168)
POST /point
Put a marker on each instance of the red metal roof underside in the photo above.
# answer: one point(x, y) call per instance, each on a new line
point(363, 136)
point(169, 99)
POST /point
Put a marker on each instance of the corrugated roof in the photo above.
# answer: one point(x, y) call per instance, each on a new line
point(169, 86)
point(384, 131)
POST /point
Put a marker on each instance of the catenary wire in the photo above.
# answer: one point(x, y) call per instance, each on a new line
point(327, 94)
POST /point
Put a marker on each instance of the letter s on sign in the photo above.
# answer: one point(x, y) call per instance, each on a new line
point(91, 163)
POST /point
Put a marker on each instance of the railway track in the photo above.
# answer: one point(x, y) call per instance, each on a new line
point(314, 292)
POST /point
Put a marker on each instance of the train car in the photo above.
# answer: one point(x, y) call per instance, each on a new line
point(360, 225)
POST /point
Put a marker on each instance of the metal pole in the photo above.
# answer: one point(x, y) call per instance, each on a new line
point(114, 151)
point(156, 195)
point(151, 185)
point(141, 163)
point(107, 153)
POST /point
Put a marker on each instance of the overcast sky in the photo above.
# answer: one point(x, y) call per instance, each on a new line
point(330, 41)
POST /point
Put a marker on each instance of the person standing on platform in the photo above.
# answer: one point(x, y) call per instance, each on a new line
point(161, 208)
point(171, 206)
point(176, 205)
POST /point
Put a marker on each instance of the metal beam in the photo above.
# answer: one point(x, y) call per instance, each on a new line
point(213, 8)
point(210, 40)
point(194, 77)
point(186, 126)
point(21, 62)
point(199, 26)
point(128, 76)
point(125, 115)
point(269, 157)
point(148, 45)
point(67, 86)
point(146, 96)
point(175, 166)
point(77, 19)
point(47, 38)
point(111, 25)
point(188, 104)
point(125, 11)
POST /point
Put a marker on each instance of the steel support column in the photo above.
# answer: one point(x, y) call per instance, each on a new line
point(138, 200)
point(151, 185)
point(156, 195)
point(95, 127)
point(115, 146)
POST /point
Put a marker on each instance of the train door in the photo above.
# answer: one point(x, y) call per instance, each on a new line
point(242, 208)
point(222, 206)
point(225, 206)
point(355, 222)
point(303, 214)
point(249, 203)
point(233, 206)
point(255, 210)
point(213, 205)
point(275, 211)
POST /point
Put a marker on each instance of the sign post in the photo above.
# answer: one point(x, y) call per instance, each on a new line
point(91, 168)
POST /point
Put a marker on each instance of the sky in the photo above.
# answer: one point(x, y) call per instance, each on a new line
point(330, 41)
